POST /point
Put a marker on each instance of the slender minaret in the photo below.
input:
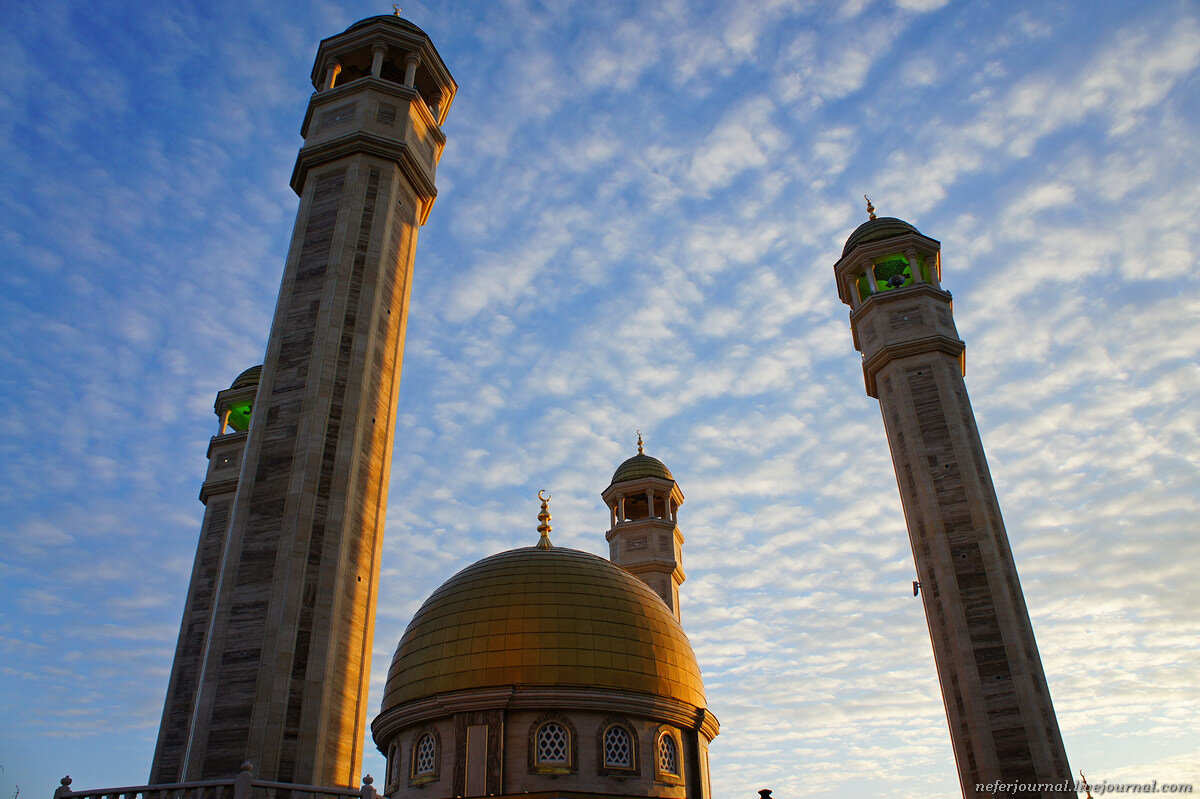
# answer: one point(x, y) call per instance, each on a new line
point(1002, 723)
point(280, 679)
point(644, 538)
point(226, 451)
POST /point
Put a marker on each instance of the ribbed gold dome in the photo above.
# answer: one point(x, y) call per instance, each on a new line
point(639, 466)
point(538, 617)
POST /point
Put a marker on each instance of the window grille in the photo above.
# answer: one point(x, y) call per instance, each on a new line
point(553, 743)
point(668, 755)
point(425, 755)
point(618, 748)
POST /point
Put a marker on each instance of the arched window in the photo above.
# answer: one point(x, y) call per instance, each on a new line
point(426, 756)
point(552, 745)
point(393, 763)
point(666, 761)
point(618, 747)
point(616, 744)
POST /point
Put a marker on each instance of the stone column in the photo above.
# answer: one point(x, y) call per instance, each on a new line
point(378, 51)
point(333, 68)
point(914, 265)
point(411, 62)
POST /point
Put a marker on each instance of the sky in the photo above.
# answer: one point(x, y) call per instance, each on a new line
point(639, 209)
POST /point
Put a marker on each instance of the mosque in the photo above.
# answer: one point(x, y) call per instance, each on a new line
point(541, 670)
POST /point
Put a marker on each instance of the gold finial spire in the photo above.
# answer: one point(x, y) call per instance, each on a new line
point(640, 448)
point(544, 519)
point(870, 208)
point(1086, 787)
point(396, 9)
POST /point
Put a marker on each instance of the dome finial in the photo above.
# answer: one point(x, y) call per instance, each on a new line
point(870, 208)
point(544, 519)
point(396, 9)
point(641, 451)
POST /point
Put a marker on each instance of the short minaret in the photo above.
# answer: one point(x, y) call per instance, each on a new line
point(1002, 723)
point(282, 676)
point(644, 539)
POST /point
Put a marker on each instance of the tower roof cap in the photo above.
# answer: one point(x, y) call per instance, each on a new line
point(248, 378)
point(873, 229)
point(639, 466)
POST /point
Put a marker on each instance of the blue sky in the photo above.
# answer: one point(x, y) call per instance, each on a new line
point(640, 207)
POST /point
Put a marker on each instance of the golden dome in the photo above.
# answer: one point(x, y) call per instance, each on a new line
point(639, 466)
point(543, 617)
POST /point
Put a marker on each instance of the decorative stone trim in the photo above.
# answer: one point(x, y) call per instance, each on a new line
point(571, 766)
point(416, 778)
point(604, 768)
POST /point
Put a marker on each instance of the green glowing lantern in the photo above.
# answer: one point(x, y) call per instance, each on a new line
point(893, 272)
point(239, 416)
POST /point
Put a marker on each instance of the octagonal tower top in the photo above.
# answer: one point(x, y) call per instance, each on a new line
point(405, 55)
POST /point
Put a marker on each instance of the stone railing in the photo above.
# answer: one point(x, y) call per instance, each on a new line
point(243, 786)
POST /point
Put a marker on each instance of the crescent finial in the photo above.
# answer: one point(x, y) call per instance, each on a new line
point(545, 498)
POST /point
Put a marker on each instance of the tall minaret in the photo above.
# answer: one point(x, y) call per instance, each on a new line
point(1002, 723)
point(281, 678)
point(644, 538)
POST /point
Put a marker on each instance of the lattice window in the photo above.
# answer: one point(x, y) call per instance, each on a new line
point(668, 755)
point(425, 756)
point(618, 748)
point(553, 744)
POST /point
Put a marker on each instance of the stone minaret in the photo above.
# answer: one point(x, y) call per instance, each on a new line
point(280, 678)
point(644, 539)
point(1002, 723)
point(226, 452)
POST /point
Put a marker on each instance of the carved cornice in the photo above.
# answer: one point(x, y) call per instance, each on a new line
point(228, 440)
point(657, 566)
point(881, 300)
point(229, 396)
point(398, 91)
point(628, 487)
point(634, 525)
point(365, 142)
point(388, 725)
point(226, 485)
point(936, 342)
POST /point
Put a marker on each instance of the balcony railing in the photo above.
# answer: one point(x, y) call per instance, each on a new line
point(243, 786)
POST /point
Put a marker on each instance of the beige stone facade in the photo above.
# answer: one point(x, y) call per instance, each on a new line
point(1001, 720)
